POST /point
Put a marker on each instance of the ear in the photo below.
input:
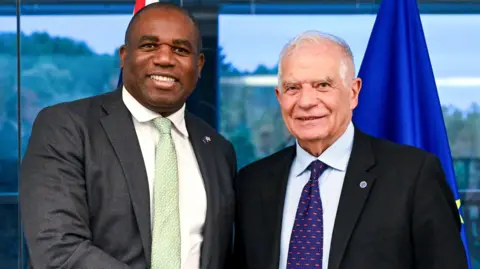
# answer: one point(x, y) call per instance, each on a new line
point(278, 93)
point(355, 91)
point(123, 55)
point(200, 64)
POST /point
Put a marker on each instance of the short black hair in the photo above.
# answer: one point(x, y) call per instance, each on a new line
point(165, 5)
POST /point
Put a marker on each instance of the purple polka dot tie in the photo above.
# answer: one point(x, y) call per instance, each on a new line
point(306, 242)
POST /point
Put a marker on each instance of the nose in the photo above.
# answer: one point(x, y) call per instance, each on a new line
point(307, 98)
point(164, 56)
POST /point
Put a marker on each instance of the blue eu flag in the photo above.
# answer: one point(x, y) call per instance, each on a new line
point(399, 99)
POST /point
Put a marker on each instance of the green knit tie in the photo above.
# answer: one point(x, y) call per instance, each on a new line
point(166, 216)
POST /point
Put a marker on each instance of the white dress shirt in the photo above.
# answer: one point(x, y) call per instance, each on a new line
point(192, 195)
point(330, 185)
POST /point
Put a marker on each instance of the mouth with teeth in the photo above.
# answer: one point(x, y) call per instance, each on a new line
point(309, 121)
point(309, 118)
point(164, 82)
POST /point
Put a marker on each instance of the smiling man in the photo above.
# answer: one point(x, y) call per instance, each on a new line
point(129, 179)
point(339, 198)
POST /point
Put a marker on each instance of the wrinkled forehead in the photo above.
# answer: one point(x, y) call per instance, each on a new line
point(312, 60)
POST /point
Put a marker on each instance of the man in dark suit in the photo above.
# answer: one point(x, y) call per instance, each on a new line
point(128, 179)
point(340, 199)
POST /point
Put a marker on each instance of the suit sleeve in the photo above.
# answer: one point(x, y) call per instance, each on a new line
point(232, 160)
point(239, 261)
point(436, 221)
point(53, 203)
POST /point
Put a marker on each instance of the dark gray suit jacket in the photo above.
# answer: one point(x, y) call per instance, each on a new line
point(84, 195)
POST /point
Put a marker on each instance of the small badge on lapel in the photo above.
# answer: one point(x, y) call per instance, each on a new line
point(206, 139)
point(363, 184)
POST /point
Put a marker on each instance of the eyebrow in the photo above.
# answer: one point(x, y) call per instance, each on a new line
point(182, 42)
point(328, 79)
point(148, 38)
point(176, 42)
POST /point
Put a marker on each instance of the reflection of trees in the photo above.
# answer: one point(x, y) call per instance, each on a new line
point(463, 130)
point(264, 70)
point(225, 67)
point(53, 70)
point(41, 43)
point(252, 114)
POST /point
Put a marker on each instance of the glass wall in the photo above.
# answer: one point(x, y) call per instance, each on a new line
point(70, 51)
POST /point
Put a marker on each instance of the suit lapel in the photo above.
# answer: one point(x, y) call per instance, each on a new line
point(353, 196)
point(120, 131)
point(204, 154)
point(273, 199)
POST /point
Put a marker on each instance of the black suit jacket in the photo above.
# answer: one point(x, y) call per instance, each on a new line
point(84, 192)
point(405, 218)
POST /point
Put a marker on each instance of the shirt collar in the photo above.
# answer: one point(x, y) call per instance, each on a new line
point(336, 156)
point(143, 114)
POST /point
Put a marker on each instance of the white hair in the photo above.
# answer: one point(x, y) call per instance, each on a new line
point(318, 37)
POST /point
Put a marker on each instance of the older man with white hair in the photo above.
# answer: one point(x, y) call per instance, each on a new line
point(340, 198)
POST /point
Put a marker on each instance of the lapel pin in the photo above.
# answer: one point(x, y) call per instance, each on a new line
point(363, 184)
point(206, 139)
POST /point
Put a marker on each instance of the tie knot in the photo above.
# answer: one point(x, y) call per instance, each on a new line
point(163, 125)
point(317, 168)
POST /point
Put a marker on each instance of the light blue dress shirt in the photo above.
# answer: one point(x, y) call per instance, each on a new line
point(330, 184)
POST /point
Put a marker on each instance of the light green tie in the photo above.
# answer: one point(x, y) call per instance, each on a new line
point(166, 216)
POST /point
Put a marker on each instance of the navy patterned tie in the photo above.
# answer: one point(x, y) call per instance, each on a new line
point(306, 242)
